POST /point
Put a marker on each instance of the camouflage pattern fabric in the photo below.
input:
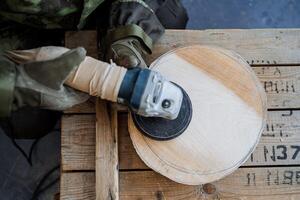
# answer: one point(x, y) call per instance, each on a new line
point(50, 14)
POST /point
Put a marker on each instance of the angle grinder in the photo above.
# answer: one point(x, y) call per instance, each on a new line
point(161, 109)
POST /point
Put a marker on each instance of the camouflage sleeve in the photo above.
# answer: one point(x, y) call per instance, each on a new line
point(88, 7)
point(48, 14)
point(7, 83)
point(134, 18)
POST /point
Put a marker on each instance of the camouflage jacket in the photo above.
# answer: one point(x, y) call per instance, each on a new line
point(25, 24)
point(40, 14)
point(48, 14)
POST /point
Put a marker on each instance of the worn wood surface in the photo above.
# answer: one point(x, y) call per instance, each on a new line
point(257, 46)
point(281, 84)
point(228, 116)
point(78, 134)
point(107, 172)
point(279, 145)
point(246, 183)
point(86, 39)
point(274, 56)
point(87, 107)
point(75, 186)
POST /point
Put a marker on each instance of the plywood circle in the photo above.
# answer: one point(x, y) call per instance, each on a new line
point(228, 116)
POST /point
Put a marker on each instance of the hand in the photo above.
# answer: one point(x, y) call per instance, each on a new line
point(40, 76)
point(127, 53)
point(133, 28)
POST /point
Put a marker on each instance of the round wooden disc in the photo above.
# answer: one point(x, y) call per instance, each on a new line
point(228, 116)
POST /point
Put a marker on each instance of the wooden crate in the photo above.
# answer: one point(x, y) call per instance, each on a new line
point(273, 170)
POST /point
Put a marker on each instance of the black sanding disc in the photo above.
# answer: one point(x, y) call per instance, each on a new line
point(164, 129)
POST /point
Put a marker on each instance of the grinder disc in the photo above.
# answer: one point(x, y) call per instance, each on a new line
point(163, 129)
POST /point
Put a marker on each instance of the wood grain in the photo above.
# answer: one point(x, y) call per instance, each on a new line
point(78, 186)
point(107, 172)
point(78, 146)
point(228, 68)
point(256, 46)
point(83, 108)
point(229, 108)
point(87, 39)
point(246, 183)
point(78, 142)
point(282, 133)
point(279, 144)
point(281, 84)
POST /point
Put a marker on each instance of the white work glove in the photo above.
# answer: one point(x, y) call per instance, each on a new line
point(40, 75)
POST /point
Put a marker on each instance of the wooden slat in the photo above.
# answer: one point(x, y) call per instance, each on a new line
point(78, 142)
point(280, 141)
point(282, 134)
point(128, 158)
point(281, 84)
point(246, 183)
point(83, 108)
point(77, 186)
point(107, 172)
point(257, 46)
point(86, 39)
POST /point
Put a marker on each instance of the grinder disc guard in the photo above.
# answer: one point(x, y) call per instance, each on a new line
point(164, 129)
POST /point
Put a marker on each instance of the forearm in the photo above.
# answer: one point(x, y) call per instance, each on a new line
point(133, 28)
point(136, 12)
point(7, 83)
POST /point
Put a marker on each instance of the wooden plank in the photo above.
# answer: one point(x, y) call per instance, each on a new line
point(280, 142)
point(78, 142)
point(281, 84)
point(257, 46)
point(87, 39)
point(128, 158)
point(246, 183)
point(107, 172)
point(77, 186)
point(282, 134)
point(83, 108)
